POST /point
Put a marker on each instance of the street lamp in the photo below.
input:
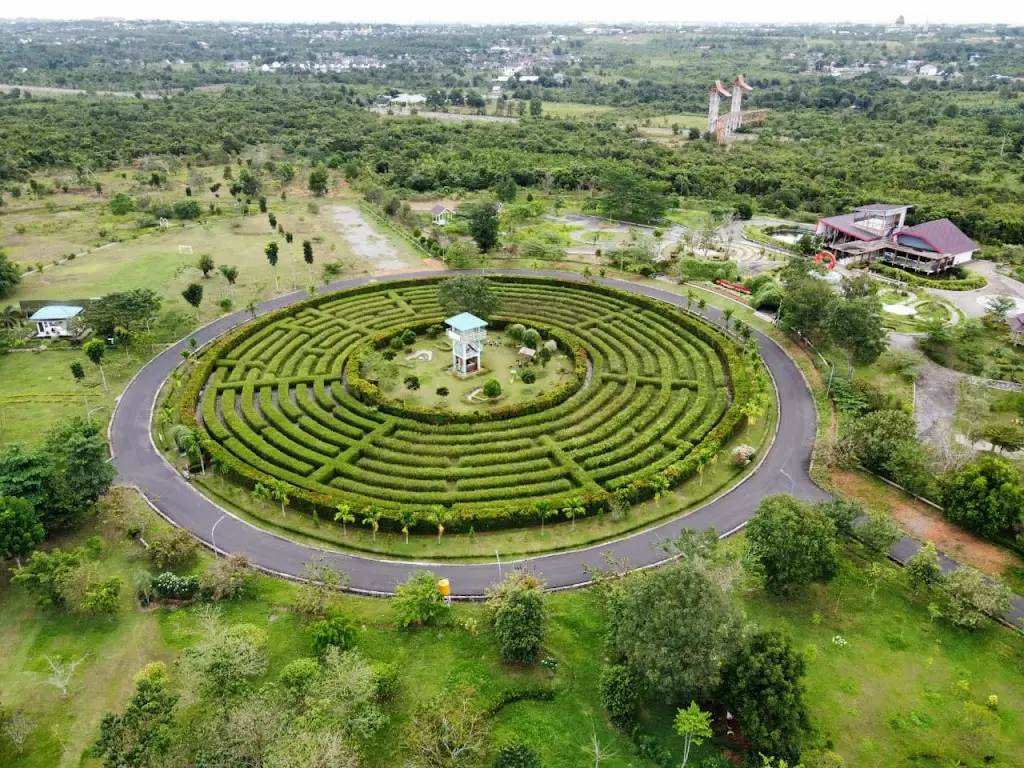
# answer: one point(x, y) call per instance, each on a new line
point(213, 535)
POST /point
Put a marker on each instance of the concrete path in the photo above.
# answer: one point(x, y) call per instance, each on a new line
point(784, 469)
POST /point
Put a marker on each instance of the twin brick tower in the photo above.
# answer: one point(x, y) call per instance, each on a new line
point(724, 126)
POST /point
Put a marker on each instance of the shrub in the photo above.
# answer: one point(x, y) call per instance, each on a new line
point(187, 209)
point(229, 578)
point(412, 382)
point(435, 330)
point(985, 496)
point(492, 388)
point(516, 753)
point(878, 533)
point(172, 548)
point(529, 377)
point(973, 597)
point(120, 204)
point(621, 691)
point(408, 337)
point(386, 680)
point(397, 344)
point(418, 601)
point(518, 616)
point(516, 332)
point(531, 338)
point(442, 392)
point(174, 587)
point(335, 631)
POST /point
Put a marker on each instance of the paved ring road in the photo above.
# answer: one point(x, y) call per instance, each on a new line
point(783, 470)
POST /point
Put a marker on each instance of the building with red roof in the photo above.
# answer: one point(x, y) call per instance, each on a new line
point(878, 232)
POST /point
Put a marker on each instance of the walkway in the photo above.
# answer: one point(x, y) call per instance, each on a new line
point(783, 470)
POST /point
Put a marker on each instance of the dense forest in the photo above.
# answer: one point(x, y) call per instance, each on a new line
point(916, 146)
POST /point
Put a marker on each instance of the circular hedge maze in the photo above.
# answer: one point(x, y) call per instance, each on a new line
point(654, 394)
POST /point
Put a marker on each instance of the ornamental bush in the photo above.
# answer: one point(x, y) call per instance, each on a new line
point(492, 388)
point(518, 616)
point(171, 586)
point(621, 692)
point(335, 631)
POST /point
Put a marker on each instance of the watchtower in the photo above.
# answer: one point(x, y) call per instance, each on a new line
point(467, 333)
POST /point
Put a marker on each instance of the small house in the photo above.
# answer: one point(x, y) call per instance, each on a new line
point(467, 332)
point(52, 322)
point(1016, 324)
point(527, 355)
point(441, 215)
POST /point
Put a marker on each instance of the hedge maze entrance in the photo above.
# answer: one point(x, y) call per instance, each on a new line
point(654, 395)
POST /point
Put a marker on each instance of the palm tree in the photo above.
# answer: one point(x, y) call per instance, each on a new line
point(344, 515)
point(279, 492)
point(408, 518)
point(11, 318)
point(218, 467)
point(437, 516)
point(661, 484)
point(690, 297)
point(727, 314)
point(544, 510)
point(261, 493)
point(574, 510)
point(371, 517)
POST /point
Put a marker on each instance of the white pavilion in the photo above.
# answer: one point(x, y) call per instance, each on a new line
point(467, 333)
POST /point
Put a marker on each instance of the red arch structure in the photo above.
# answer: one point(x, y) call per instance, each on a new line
point(826, 257)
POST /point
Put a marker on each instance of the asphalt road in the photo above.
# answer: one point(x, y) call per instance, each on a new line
point(783, 470)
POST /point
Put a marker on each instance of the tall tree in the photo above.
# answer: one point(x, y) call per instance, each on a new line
point(307, 256)
point(20, 529)
point(483, 226)
point(518, 616)
point(318, 181)
point(95, 349)
point(271, 251)
point(630, 197)
point(790, 544)
point(193, 294)
point(468, 293)
point(144, 732)
point(10, 276)
point(762, 685)
point(985, 496)
point(673, 627)
point(125, 309)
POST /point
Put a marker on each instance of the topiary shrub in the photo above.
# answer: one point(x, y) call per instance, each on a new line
point(531, 338)
point(412, 382)
point(397, 344)
point(435, 330)
point(492, 388)
point(408, 337)
point(516, 331)
point(529, 377)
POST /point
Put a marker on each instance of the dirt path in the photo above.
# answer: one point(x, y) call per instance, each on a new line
point(926, 523)
point(935, 395)
point(367, 243)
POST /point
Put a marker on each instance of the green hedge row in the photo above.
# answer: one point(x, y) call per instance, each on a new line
point(971, 283)
point(476, 507)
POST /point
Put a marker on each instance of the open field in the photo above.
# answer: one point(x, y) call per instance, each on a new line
point(895, 691)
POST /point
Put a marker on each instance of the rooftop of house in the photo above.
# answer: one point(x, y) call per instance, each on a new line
point(1016, 323)
point(439, 209)
point(465, 322)
point(56, 312)
point(942, 235)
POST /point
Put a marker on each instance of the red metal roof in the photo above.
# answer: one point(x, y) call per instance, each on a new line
point(942, 235)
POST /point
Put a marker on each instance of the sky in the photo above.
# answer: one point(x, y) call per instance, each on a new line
point(533, 11)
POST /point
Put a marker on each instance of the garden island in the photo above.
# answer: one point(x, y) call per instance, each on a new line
point(580, 398)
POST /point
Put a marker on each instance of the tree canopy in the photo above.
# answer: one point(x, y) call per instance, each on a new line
point(468, 293)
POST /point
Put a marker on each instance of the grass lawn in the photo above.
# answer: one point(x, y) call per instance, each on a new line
point(890, 697)
point(500, 359)
point(37, 389)
point(693, 219)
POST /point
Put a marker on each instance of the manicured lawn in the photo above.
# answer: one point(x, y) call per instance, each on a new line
point(500, 359)
point(37, 389)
